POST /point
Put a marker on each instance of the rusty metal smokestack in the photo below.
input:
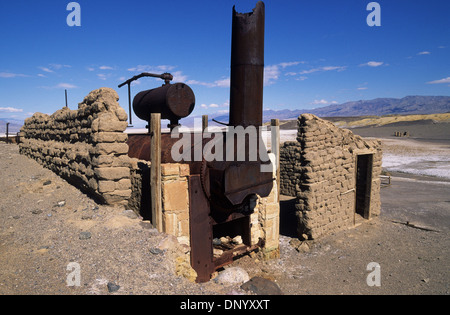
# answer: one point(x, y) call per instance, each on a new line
point(247, 67)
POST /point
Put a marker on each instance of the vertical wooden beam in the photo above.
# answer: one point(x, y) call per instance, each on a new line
point(275, 139)
point(204, 122)
point(155, 170)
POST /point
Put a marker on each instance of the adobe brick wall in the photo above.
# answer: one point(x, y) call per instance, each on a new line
point(319, 169)
point(87, 146)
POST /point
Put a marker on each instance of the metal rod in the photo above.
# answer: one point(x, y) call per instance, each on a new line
point(129, 103)
point(66, 98)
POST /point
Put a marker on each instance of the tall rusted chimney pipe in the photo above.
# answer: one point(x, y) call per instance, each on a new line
point(247, 67)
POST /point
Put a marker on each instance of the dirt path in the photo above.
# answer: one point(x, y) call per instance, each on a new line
point(45, 224)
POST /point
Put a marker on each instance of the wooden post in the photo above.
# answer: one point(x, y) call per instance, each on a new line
point(204, 122)
point(275, 139)
point(7, 133)
point(155, 170)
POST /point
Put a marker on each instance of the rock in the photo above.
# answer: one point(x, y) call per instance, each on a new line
point(130, 214)
point(261, 286)
point(233, 275)
point(85, 235)
point(300, 246)
point(217, 252)
point(112, 287)
point(155, 251)
point(48, 182)
point(61, 203)
point(216, 241)
point(183, 268)
point(36, 211)
point(238, 240)
point(303, 248)
point(168, 242)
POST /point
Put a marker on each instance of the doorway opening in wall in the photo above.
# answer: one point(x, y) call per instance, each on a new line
point(364, 167)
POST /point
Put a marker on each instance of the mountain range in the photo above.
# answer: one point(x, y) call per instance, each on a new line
point(409, 105)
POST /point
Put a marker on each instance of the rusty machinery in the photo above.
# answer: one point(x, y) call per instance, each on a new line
point(222, 193)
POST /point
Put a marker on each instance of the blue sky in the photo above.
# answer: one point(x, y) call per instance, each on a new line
point(317, 53)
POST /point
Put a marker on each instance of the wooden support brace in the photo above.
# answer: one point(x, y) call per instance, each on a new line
point(155, 170)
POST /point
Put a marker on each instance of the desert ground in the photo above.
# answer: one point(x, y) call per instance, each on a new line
point(46, 224)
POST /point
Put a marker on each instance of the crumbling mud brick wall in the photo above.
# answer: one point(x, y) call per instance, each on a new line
point(87, 146)
point(321, 170)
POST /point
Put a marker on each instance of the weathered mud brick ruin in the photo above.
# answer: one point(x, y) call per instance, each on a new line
point(221, 209)
point(87, 146)
point(334, 175)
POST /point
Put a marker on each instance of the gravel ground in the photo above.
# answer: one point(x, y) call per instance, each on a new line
point(46, 224)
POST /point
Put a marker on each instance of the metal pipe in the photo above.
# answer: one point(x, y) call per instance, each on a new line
point(247, 67)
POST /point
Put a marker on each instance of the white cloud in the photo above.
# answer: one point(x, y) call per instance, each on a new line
point(323, 102)
point(373, 64)
point(218, 83)
point(66, 86)
point(106, 68)
point(271, 74)
point(290, 64)
point(424, 53)
point(441, 81)
point(102, 76)
point(213, 105)
point(58, 66)
point(222, 83)
point(320, 102)
point(178, 76)
point(152, 69)
point(11, 75)
point(10, 110)
point(323, 69)
point(46, 69)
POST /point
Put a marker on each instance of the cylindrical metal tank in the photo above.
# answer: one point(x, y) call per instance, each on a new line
point(173, 101)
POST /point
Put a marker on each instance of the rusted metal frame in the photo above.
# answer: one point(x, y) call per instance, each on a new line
point(200, 231)
point(230, 255)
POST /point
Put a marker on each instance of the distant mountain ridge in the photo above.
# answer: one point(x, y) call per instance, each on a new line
point(409, 105)
point(14, 125)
